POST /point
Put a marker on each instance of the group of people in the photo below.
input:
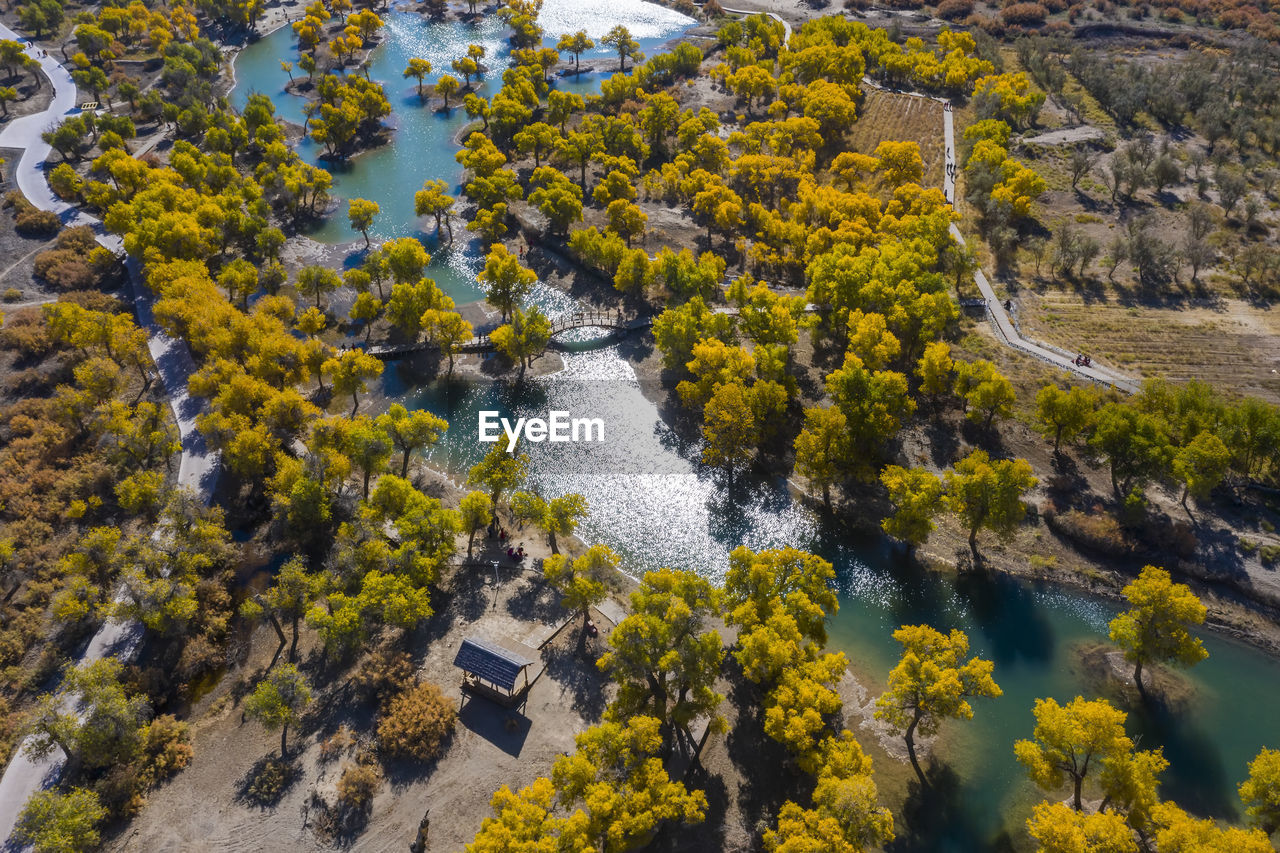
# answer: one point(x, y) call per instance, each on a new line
point(1083, 360)
point(32, 46)
point(516, 554)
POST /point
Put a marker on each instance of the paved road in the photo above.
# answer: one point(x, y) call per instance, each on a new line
point(1000, 321)
point(198, 469)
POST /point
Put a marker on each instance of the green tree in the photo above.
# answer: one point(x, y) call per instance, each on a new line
point(584, 582)
point(525, 337)
point(411, 431)
point(316, 280)
point(1154, 628)
point(822, 449)
point(1134, 443)
point(418, 69)
point(368, 445)
point(101, 729)
point(506, 281)
point(361, 213)
point(578, 43)
point(279, 700)
point(288, 598)
point(433, 200)
point(917, 497)
point(477, 512)
point(665, 657)
point(499, 472)
point(350, 372)
point(1064, 414)
point(1260, 793)
point(931, 683)
point(988, 494)
point(985, 392)
point(366, 309)
point(57, 822)
point(619, 38)
point(1071, 740)
point(1200, 466)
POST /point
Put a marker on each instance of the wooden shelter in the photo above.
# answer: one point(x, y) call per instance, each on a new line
point(491, 671)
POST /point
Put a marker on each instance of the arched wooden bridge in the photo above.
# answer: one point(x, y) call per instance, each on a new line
point(615, 321)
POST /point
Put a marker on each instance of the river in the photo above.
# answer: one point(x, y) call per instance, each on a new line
point(652, 501)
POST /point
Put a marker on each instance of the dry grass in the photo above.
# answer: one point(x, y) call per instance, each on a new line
point(902, 118)
point(1234, 347)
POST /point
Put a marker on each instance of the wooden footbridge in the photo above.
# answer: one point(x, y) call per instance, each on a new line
point(615, 321)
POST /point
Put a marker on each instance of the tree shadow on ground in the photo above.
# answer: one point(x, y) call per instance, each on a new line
point(267, 781)
point(535, 601)
point(708, 835)
point(760, 794)
point(581, 683)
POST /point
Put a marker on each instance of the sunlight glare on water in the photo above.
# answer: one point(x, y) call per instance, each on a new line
point(597, 17)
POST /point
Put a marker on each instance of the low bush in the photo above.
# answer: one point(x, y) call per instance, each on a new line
point(166, 748)
point(1096, 531)
point(383, 672)
point(1269, 554)
point(269, 781)
point(416, 723)
point(356, 787)
point(955, 10)
point(1024, 14)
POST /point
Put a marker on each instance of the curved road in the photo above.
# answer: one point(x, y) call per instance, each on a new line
point(199, 467)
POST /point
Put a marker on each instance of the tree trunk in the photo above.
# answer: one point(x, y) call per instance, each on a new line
point(404, 464)
point(293, 645)
point(1137, 678)
point(551, 540)
point(911, 752)
point(470, 541)
point(1079, 783)
point(973, 544)
point(355, 403)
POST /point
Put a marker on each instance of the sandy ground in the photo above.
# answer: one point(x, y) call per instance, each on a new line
point(202, 808)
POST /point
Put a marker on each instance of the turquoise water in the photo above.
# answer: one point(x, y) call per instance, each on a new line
point(652, 501)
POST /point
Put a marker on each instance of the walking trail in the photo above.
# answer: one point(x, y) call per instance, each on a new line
point(199, 467)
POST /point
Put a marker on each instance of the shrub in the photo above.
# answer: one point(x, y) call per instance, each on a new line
point(1097, 531)
point(1269, 554)
point(26, 333)
point(269, 782)
point(954, 10)
point(37, 223)
point(416, 723)
point(356, 787)
point(13, 295)
point(1024, 13)
point(65, 182)
point(166, 748)
point(384, 671)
